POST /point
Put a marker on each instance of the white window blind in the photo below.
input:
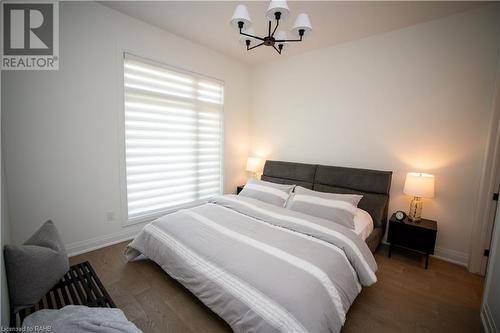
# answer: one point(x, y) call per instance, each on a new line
point(173, 138)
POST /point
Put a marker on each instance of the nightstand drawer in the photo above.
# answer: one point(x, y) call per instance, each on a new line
point(412, 237)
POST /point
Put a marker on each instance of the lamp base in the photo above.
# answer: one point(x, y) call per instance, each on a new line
point(415, 213)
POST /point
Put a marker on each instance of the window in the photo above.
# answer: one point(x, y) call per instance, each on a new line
point(173, 138)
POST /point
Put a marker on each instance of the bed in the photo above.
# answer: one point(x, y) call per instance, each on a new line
point(264, 268)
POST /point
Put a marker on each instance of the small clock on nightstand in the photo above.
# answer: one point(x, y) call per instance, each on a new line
point(400, 215)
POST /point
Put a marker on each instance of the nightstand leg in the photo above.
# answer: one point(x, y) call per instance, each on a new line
point(390, 250)
point(426, 260)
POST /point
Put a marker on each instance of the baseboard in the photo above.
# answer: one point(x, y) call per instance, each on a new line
point(455, 257)
point(487, 319)
point(92, 244)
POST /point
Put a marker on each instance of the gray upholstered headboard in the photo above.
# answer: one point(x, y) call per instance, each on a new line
point(374, 185)
point(289, 173)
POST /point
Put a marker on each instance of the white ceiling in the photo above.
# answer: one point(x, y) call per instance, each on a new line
point(207, 22)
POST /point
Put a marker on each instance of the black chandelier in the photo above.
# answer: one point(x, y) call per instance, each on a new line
point(279, 11)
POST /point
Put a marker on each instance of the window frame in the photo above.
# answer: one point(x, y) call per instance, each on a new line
point(125, 221)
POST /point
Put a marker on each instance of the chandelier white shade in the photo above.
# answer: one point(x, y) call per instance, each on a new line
point(277, 7)
point(302, 22)
point(241, 15)
point(277, 12)
point(244, 38)
point(280, 35)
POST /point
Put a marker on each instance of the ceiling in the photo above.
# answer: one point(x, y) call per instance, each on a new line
point(207, 22)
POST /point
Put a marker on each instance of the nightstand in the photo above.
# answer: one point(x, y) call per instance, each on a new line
point(239, 188)
point(417, 236)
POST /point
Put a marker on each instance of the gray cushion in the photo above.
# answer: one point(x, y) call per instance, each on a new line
point(274, 194)
point(35, 267)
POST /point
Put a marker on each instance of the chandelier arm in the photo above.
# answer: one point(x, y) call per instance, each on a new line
point(253, 47)
point(277, 49)
point(276, 27)
point(288, 40)
point(256, 37)
point(269, 30)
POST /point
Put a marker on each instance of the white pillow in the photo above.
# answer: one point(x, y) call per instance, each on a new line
point(363, 224)
point(272, 193)
point(354, 199)
point(338, 208)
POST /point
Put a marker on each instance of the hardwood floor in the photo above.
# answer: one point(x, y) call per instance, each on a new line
point(406, 298)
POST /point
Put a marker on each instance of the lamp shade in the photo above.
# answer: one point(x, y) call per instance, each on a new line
point(275, 7)
point(302, 22)
point(241, 15)
point(243, 39)
point(281, 35)
point(419, 185)
point(254, 164)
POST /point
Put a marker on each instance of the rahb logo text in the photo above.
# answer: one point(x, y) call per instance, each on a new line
point(30, 35)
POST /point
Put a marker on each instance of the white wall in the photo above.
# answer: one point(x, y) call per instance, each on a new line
point(61, 127)
point(490, 311)
point(415, 99)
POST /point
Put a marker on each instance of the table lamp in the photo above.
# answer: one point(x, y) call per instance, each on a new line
point(419, 185)
point(254, 165)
